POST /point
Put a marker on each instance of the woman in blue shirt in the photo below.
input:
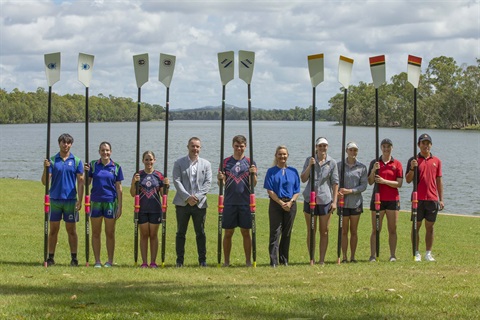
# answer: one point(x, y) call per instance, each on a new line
point(283, 186)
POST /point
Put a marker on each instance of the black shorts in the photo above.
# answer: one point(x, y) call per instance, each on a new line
point(320, 209)
point(153, 218)
point(427, 210)
point(350, 211)
point(236, 216)
point(386, 205)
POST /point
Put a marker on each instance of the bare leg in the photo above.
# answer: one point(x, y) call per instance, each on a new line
point(53, 236)
point(392, 217)
point(110, 238)
point(353, 235)
point(144, 235)
point(227, 245)
point(247, 245)
point(345, 229)
point(324, 225)
point(153, 242)
point(96, 237)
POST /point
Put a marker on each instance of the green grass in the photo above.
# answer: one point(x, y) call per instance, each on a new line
point(446, 289)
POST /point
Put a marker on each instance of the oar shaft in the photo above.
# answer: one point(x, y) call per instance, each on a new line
point(220, 187)
point(377, 155)
point(47, 180)
point(252, 179)
point(312, 184)
point(87, 191)
point(342, 176)
point(137, 185)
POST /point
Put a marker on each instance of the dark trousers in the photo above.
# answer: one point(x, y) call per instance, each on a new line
point(183, 216)
point(281, 223)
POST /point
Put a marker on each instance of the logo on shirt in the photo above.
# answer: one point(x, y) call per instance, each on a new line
point(70, 163)
point(237, 167)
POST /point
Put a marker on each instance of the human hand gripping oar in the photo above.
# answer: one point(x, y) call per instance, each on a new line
point(245, 71)
point(140, 64)
point(227, 70)
point(345, 66)
point(413, 76)
point(316, 71)
point(85, 68)
point(165, 74)
point(52, 70)
point(377, 68)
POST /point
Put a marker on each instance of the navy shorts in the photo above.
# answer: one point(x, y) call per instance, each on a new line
point(386, 205)
point(63, 209)
point(320, 209)
point(427, 210)
point(152, 218)
point(236, 216)
point(108, 210)
point(347, 212)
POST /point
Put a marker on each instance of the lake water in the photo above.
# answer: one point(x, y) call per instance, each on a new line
point(22, 149)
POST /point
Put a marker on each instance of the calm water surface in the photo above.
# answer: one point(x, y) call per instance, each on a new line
point(23, 148)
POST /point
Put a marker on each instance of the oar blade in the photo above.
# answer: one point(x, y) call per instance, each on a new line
point(414, 70)
point(140, 64)
point(316, 69)
point(345, 66)
point(85, 68)
point(52, 68)
point(226, 66)
point(167, 66)
point(377, 68)
point(245, 65)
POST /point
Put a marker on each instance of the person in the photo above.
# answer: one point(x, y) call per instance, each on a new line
point(387, 173)
point(326, 191)
point(151, 189)
point(106, 178)
point(236, 172)
point(429, 191)
point(283, 187)
point(192, 177)
point(355, 182)
point(64, 171)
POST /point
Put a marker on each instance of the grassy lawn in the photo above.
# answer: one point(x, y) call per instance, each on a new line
point(446, 289)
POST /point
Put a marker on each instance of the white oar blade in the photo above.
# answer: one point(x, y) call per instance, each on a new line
point(167, 66)
point(245, 65)
point(377, 67)
point(316, 69)
point(345, 66)
point(52, 67)
point(414, 70)
point(140, 64)
point(85, 68)
point(226, 66)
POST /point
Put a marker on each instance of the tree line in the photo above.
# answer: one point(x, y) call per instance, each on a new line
point(447, 97)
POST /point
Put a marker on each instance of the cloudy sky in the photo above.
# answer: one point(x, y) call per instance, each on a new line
point(281, 33)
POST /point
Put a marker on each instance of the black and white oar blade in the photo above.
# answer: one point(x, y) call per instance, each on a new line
point(85, 68)
point(345, 66)
point(140, 64)
point(414, 70)
point(245, 65)
point(226, 66)
point(52, 68)
point(167, 66)
point(377, 67)
point(316, 69)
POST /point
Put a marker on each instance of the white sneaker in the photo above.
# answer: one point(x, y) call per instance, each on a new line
point(393, 259)
point(418, 257)
point(428, 257)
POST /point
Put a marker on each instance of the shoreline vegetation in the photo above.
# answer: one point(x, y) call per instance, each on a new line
point(448, 98)
point(445, 289)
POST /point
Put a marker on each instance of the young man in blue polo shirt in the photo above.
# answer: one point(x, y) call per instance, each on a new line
point(65, 170)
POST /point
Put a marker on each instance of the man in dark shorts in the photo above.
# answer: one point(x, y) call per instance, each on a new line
point(235, 173)
point(429, 191)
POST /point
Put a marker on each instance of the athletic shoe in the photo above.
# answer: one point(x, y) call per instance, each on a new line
point(418, 257)
point(428, 257)
point(107, 265)
point(50, 262)
point(74, 263)
point(372, 259)
point(353, 261)
point(97, 265)
point(179, 265)
point(344, 261)
point(153, 265)
point(144, 265)
point(393, 259)
point(203, 264)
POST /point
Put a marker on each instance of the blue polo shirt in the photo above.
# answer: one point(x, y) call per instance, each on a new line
point(64, 177)
point(285, 182)
point(104, 180)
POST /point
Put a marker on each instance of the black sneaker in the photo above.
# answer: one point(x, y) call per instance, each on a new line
point(50, 262)
point(74, 263)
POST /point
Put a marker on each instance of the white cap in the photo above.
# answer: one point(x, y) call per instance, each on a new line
point(351, 145)
point(321, 140)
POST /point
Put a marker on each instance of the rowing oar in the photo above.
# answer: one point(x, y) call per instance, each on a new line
point(413, 72)
point(345, 66)
point(245, 71)
point(140, 64)
point(377, 68)
point(165, 74)
point(85, 68)
point(226, 67)
point(315, 68)
point(52, 70)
